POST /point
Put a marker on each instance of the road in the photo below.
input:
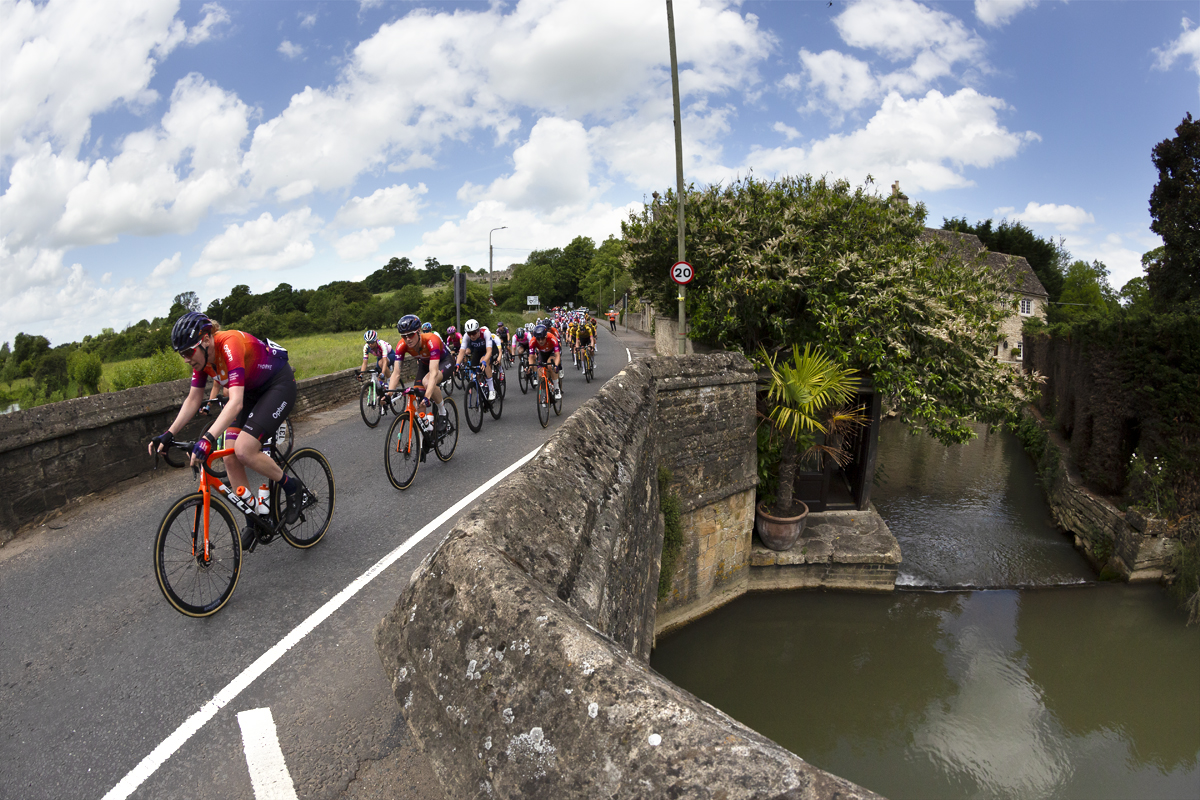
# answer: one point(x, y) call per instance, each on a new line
point(97, 670)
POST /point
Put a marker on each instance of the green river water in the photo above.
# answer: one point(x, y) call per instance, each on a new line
point(1066, 688)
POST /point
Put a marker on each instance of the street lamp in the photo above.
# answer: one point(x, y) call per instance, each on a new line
point(502, 227)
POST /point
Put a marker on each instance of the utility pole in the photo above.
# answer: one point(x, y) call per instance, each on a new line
point(678, 174)
point(490, 293)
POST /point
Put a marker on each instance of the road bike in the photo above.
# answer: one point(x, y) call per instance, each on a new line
point(525, 376)
point(545, 400)
point(507, 359)
point(588, 363)
point(414, 432)
point(475, 401)
point(198, 548)
point(373, 401)
point(278, 445)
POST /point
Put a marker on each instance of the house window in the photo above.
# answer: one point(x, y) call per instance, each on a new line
point(1026, 308)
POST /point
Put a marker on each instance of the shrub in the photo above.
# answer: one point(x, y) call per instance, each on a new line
point(85, 370)
point(165, 365)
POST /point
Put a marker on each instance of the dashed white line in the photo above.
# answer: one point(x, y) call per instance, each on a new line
point(268, 771)
point(158, 756)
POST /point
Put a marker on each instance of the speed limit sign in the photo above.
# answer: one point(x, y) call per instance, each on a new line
point(682, 273)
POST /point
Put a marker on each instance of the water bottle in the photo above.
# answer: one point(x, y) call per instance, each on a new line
point(426, 424)
point(247, 497)
point(264, 499)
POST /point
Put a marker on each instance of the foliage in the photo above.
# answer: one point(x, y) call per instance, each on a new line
point(1174, 279)
point(802, 260)
point(607, 274)
point(1046, 257)
point(803, 399)
point(672, 512)
point(1147, 484)
point(1186, 564)
point(85, 370)
point(1085, 291)
point(25, 353)
point(165, 365)
point(439, 309)
point(51, 372)
point(396, 274)
point(1135, 294)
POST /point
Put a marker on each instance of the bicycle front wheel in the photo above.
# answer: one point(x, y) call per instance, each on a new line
point(316, 511)
point(587, 367)
point(370, 405)
point(543, 401)
point(523, 379)
point(473, 407)
point(447, 437)
point(403, 451)
point(195, 583)
point(557, 402)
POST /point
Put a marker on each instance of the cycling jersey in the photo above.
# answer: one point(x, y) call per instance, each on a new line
point(242, 360)
point(547, 345)
point(379, 349)
point(502, 332)
point(454, 341)
point(430, 348)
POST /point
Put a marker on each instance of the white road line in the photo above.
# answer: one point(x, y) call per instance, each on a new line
point(268, 771)
point(158, 756)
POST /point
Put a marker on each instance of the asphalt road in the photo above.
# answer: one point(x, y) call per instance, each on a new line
point(97, 670)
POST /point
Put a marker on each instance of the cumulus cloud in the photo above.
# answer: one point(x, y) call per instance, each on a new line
point(362, 244)
point(290, 50)
point(393, 205)
point(214, 17)
point(265, 243)
point(166, 268)
point(1185, 47)
point(1064, 217)
point(924, 143)
point(788, 131)
point(995, 13)
point(551, 170)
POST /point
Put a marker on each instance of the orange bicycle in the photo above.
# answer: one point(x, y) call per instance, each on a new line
point(414, 432)
point(198, 549)
point(544, 399)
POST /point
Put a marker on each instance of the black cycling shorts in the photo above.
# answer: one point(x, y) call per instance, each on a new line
point(265, 410)
point(423, 367)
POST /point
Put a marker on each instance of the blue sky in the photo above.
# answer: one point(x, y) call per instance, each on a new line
point(150, 147)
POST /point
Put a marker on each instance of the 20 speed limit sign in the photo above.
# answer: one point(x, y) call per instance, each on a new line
point(682, 273)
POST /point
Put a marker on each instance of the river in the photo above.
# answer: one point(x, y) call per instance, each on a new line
point(1067, 688)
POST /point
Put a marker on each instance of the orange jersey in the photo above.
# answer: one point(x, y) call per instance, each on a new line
point(242, 360)
point(547, 345)
point(431, 348)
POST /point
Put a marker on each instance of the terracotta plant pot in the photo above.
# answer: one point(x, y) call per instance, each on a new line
point(780, 533)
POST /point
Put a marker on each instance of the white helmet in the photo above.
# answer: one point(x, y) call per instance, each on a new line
point(472, 326)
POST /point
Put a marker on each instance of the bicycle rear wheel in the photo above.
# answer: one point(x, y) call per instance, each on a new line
point(195, 585)
point(587, 366)
point(543, 401)
point(446, 438)
point(473, 407)
point(523, 379)
point(402, 451)
point(557, 402)
point(311, 467)
point(370, 405)
point(497, 405)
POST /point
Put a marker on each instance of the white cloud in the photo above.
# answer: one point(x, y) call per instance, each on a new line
point(788, 131)
point(995, 13)
point(307, 20)
point(904, 29)
point(363, 244)
point(842, 80)
point(263, 243)
point(394, 205)
point(924, 143)
point(551, 170)
point(1064, 217)
point(290, 50)
point(166, 268)
point(214, 16)
point(1186, 46)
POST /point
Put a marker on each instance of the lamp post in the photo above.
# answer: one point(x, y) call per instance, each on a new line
point(678, 173)
point(493, 230)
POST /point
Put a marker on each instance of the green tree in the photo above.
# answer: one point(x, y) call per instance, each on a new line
point(395, 274)
point(808, 261)
point(5, 352)
point(188, 301)
point(608, 277)
point(436, 272)
point(51, 373)
point(536, 278)
point(26, 350)
point(1047, 258)
point(1135, 294)
point(1174, 278)
point(85, 370)
point(439, 310)
point(1085, 291)
point(573, 266)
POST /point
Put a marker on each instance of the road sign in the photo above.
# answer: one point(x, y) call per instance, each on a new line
point(682, 273)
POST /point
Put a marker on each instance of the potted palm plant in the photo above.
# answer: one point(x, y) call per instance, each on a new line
point(804, 397)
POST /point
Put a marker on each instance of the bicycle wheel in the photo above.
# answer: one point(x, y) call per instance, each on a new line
point(402, 453)
point(195, 585)
point(447, 437)
point(543, 401)
point(557, 402)
point(369, 405)
point(473, 407)
point(285, 439)
point(523, 379)
point(497, 405)
point(500, 381)
point(587, 366)
point(314, 472)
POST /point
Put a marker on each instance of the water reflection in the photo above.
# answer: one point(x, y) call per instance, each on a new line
point(1038, 694)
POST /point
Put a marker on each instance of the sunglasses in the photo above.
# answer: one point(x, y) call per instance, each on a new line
point(412, 335)
point(186, 352)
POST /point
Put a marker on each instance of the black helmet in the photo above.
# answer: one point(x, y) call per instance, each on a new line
point(188, 330)
point(540, 331)
point(409, 323)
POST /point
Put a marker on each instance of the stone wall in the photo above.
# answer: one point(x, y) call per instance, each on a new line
point(519, 649)
point(53, 454)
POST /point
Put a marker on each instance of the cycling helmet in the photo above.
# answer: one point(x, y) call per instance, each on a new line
point(409, 323)
point(529, 327)
point(451, 330)
point(472, 326)
point(540, 331)
point(427, 327)
point(371, 336)
point(188, 330)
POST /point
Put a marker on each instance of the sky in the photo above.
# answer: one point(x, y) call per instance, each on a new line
point(152, 147)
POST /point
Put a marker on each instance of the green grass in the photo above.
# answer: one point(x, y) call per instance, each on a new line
point(324, 353)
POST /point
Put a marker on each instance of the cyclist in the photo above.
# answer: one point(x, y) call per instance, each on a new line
point(262, 392)
point(503, 335)
point(480, 345)
point(380, 349)
point(453, 340)
point(431, 355)
point(545, 344)
point(585, 338)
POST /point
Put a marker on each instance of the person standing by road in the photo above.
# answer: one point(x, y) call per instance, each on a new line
point(612, 319)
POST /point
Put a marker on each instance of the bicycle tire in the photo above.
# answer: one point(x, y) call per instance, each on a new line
point(557, 402)
point(445, 442)
point(193, 586)
point(587, 367)
point(500, 379)
point(543, 401)
point(311, 467)
point(523, 380)
point(497, 406)
point(473, 407)
point(371, 412)
point(402, 451)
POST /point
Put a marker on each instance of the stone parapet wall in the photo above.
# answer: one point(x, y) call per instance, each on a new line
point(56, 453)
point(519, 650)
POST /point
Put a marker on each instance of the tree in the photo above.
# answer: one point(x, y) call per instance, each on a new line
point(51, 371)
point(439, 309)
point(189, 301)
point(1175, 213)
point(1086, 291)
point(395, 274)
point(436, 272)
point(85, 369)
point(807, 261)
point(1047, 258)
point(573, 265)
point(606, 275)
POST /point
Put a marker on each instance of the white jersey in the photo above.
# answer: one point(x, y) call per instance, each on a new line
point(379, 349)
